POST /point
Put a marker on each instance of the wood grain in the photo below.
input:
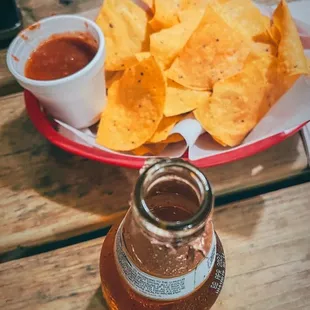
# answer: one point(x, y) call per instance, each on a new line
point(47, 194)
point(267, 245)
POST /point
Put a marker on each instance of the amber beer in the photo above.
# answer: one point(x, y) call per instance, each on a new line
point(165, 253)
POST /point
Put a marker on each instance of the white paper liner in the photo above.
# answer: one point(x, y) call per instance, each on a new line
point(292, 110)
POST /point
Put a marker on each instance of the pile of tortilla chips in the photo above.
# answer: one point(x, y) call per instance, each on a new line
point(221, 60)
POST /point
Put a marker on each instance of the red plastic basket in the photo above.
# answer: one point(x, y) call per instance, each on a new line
point(46, 128)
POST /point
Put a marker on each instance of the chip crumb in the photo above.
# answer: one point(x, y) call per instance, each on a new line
point(34, 26)
point(23, 36)
point(15, 58)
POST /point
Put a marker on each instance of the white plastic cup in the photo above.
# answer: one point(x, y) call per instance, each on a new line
point(78, 99)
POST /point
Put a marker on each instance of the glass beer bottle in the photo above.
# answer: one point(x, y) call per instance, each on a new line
point(165, 253)
point(10, 21)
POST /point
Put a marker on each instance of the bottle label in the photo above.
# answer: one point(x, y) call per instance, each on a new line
point(163, 288)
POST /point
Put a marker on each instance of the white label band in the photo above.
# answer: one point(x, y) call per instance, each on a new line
point(163, 288)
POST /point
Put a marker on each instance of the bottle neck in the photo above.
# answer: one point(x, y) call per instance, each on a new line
point(165, 256)
point(172, 199)
point(170, 218)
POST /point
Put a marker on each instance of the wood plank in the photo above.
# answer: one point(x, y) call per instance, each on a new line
point(8, 84)
point(267, 245)
point(47, 194)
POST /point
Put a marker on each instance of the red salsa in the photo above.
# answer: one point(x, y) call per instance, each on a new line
point(61, 55)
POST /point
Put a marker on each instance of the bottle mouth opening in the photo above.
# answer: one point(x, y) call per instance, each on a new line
point(173, 196)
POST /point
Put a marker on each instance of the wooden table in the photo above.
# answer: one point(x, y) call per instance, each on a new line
point(267, 246)
point(55, 207)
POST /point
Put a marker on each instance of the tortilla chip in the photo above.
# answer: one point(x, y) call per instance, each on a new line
point(214, 52)
point(174, 138)
point(244, 17)
point(242, 100)
point(156, 149)
point(275, 83)
point(291, 55)
point(275, 34)
point(264, 44)
point(134, 109)
point(180, 100)
point(149, 149)
point(142, 56)
point(111, 77)
point(167, 44)
point(166, 14)
point(271, 90)
point(263, 49)
point(126, 30)
point(233, 109)
point(274, 91)
point(164, 129)
point(308, 63)
point(141, 150)
point(194, 4)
